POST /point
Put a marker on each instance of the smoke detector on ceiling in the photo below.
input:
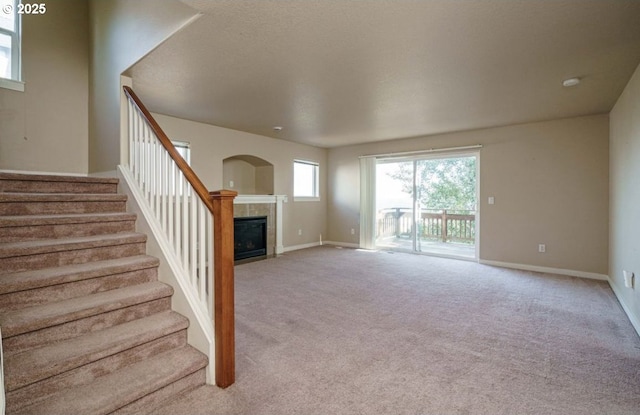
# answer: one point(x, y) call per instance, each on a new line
point(570, 82)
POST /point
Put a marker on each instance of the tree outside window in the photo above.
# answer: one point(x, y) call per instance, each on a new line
point(447, 183)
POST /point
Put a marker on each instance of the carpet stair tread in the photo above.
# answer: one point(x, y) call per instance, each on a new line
point(86, 325)
point(116, 390)
point(28, 227)
point(38, 183)
point(32, 279)
point(36, 364)
point(42, 246)
point(53, 219)
point(6, 197)
point(16, 322)
point(60, 202)
point(57, 178)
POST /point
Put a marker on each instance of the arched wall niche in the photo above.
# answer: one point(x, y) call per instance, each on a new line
point(248, 175)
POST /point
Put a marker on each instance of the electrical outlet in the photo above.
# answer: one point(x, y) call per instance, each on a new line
point(231, 184)
point(628, 278)
point(542, 248)
point(299, 232)
point(353, 231)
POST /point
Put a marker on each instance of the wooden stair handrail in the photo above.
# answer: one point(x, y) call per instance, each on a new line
point(189, 174)
point(220, 204)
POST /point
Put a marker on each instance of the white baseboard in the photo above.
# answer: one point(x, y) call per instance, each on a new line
point(343, 244)
point(635, 322)
point(45, 173)
point(548, 270)
point(110, 173)
point(313, 244)
point(301, 246)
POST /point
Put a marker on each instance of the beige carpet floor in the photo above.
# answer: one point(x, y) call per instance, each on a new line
point(343, 331)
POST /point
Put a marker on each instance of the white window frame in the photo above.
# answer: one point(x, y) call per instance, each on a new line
point(15, 83)
point(184, 148)
point(315, 179)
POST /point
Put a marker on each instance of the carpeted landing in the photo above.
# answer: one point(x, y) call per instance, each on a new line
point(343, 331)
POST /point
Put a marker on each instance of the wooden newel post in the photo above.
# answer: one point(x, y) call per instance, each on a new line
point(223, 286)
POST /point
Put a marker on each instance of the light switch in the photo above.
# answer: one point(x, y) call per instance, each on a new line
point(492, 200)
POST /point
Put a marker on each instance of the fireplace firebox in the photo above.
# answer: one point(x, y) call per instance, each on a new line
point(250, 237)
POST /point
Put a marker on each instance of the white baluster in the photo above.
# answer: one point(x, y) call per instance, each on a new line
point(138, 133)
point(159, 179)
point(134, 126)
point(194, 237)
point(147, 162)
point(130, 132)
point(178, 216)
point(165, 188)
point(150, 176)
point(185, 224)
point(139, 155)
point(209, 288)
point(202, 232)
point(152, 170)
point(143, 157)
point(172, 180)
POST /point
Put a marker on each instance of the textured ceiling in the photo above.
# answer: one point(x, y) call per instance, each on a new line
point(333, 72)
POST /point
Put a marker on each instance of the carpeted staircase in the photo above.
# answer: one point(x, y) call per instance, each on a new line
point(87, 327)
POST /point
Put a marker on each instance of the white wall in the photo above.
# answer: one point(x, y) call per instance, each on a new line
point(45, 128)
point(624, 215)
point(210, 145)
point(122, 32)
point(549, 180)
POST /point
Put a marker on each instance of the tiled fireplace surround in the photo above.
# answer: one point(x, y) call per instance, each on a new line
point(264, 205)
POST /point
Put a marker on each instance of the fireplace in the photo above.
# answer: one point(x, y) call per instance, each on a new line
point(250, 237)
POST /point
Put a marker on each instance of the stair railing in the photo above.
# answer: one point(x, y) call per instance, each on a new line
point(198, 225)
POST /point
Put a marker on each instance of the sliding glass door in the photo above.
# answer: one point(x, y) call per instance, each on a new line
point(427, 205)
point(394, 205)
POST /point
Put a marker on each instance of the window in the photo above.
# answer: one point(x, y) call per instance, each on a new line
point(305, 180)
point(184, 150)
point(10, 45)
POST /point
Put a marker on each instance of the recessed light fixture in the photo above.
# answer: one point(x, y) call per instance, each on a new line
point(571, 82)
point(277, 128)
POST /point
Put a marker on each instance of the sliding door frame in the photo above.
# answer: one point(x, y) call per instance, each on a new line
point(368, 189)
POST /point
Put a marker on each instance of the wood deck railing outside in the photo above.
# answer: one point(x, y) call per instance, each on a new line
point(436, 224)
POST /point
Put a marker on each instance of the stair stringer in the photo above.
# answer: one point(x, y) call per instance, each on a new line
point(200, 332)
